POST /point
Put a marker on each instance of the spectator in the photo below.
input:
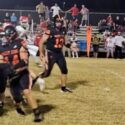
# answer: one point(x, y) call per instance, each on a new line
point(70, 28)
point(74, 12)
point(74, 46)
point(102, 25)
point(110, 44)
point(117, 21)
point(66, 48)
point(95, 43)
point(84, 12)
point(7, 18)
point(65, 23)
point(47, 13)
point(13, 19)
point(110, 22)
point(105, 34)
point(55, 10)
point(123, 24)
point(118, 24)
point(118, 45)
point(75, 25)
point(40, 8)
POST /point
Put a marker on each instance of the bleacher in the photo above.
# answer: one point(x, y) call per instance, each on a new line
point(81, 35)
point(81, 32)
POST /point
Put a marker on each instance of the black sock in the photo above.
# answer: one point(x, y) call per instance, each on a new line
point(1, 104)
point(37, 114)
point(63, 88)
point(36, 111)
point(1, 108)
point(20, 110)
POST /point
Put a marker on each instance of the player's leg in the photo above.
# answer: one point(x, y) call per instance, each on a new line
point(38, 80)
point(50, 62)
point(25, 82)
point(3, 82)
point(2, 96)
point(61, 62)
point(17, 96)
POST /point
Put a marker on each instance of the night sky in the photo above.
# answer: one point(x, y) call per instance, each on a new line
point(93, 5)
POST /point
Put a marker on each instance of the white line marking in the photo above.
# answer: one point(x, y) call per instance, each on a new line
point(115, 73)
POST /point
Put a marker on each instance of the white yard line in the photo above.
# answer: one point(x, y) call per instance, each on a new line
point(115, 73)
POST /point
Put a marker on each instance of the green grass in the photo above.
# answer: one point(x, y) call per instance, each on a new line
point(98, 96)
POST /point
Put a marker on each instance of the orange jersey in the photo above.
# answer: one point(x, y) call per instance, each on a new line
point(11, 52)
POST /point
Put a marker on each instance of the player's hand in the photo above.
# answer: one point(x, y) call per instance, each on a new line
point(46, 65)
point(42, 57)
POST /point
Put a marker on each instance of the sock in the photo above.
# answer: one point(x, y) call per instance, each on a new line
point(63, 88)
point(1, 104)
point(37, 115)
point(20, 110)
point(1, 108)
point(36, 111)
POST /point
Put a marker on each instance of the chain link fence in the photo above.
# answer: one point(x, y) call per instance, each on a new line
point(93, 17)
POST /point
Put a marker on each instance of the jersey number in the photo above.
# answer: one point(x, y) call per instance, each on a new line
point(59, 42)
point(15, 59)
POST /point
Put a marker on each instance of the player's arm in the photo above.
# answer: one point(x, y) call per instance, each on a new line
point(23, 64)
point(1, 59)
point(44, 39)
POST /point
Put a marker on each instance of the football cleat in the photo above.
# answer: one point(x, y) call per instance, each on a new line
point(1, 108)
point(66, 89)
point(38, 116)
point(41, 84)
point(20, 111)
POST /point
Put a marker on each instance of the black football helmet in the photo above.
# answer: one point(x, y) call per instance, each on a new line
point(11, 32)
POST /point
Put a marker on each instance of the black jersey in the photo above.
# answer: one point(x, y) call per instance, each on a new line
point(56, 39)
point(11, 51)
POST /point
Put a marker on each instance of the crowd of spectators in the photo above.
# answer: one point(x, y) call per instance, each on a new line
point(107, 26)
point(117, 23)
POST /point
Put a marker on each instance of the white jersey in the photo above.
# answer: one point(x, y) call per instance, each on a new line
point(110, 42)
point(21, 31)
point(33, 49)
point(119, 40)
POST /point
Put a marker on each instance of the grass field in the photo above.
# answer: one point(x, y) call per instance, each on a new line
point(98, 96)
